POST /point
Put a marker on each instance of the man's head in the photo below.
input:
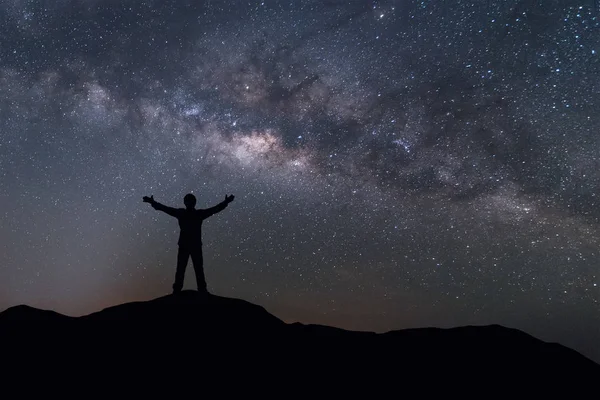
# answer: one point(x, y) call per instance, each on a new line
point(189, 200)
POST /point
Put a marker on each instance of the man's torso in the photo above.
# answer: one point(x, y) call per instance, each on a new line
point(190, 223)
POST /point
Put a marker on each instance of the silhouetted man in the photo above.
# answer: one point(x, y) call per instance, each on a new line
point(190, 236)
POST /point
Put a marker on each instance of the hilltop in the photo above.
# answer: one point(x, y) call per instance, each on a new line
point(241, 339)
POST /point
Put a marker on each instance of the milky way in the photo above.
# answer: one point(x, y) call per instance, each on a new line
point(395, 164)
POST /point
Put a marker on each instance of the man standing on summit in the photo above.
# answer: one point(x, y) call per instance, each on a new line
point(190, 237)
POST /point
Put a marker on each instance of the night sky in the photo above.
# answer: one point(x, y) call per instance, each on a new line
point(395, 164)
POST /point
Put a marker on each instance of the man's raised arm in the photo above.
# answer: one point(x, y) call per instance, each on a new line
point(219, 207)
point(161, 207)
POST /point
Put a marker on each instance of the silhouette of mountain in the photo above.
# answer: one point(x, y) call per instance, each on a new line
point(235, 338)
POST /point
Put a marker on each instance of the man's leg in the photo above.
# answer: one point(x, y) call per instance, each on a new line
point(182, 259)
point(198, 261)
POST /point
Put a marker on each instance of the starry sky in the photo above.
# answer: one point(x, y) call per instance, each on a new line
point(395, 164)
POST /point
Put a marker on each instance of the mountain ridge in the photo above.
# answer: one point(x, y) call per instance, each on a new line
point(224, 330)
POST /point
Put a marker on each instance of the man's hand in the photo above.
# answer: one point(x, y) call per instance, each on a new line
point(229, 198)
point(149, 199)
